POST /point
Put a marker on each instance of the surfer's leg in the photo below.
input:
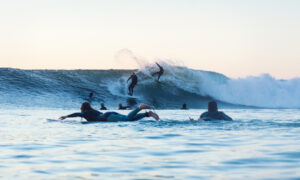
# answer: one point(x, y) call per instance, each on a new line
point(131, 116)
point(153, 74)
point(116, 117)
point(130, 89)
point(147, 114)
point(140, 116)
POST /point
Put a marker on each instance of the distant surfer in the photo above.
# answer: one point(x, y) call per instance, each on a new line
point(90, 97)
point(121, 107)
point(184, 107)
point(103, 107)
point(160, 72)
point(134, 81)
point(213, 113)
point(90, 114)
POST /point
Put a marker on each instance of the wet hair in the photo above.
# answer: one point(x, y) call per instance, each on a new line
point(212, 106)
point(86, 107)
point(102, 104)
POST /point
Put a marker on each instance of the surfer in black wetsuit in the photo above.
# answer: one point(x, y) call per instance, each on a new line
point(134, 81)
point(213, 113)
point(103, 107)
point(160, 72)
point(90, 98)
point(121, 107)
point(184, 107)
point(90, 114)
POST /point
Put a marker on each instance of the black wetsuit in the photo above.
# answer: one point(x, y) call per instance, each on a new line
point(123, 107)
point(217, 115)
point(160, 72)
point(91, 115)
point(94, 115)
point(134, 81)
point(103, 108)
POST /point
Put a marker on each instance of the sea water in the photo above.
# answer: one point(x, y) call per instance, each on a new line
point(257, 144)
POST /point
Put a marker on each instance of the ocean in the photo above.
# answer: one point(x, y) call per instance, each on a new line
point(262, 141)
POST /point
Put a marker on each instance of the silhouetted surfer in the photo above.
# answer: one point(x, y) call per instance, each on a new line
point(121, 107)
point(184, 107)
point(90, 114)
point(89, 99)
point(213, 113)
point(134, 80)
point(103, 107)
point(160, 72)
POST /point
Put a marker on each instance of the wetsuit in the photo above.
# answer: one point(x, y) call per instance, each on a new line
point(103, 108)
point(123, 107)
point(94, 115)
point(160, 72)
point(134, 80)
point(217, 115)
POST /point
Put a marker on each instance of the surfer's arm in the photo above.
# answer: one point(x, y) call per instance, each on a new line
point(226, 117)
point(71, 115)
point(192, 119)
point(129, 78)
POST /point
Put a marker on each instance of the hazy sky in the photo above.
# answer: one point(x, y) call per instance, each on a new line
point(233, 37)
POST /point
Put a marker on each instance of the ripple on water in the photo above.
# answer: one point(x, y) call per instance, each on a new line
point(22, 156)
point(293, 155)
point(164, 136)
point(257, 161)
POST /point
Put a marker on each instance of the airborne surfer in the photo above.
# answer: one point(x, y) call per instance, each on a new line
point(134, 80)
point(160, 72)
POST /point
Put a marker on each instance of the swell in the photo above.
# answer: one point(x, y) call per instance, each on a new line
point(178, 85)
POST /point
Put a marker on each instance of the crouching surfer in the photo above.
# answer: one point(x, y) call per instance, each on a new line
point(213, 113)
point(158, 73)
point(90, 114)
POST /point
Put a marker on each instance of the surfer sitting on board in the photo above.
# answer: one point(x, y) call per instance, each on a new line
point(90, 114)
point(121, 107)
point(102, 107)
point(213, 113)
point(160, 72)
point(134, 80)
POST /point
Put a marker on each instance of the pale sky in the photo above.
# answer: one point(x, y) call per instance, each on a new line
point(234, 37)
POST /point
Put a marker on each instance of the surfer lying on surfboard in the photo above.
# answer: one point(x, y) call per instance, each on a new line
point(90, 114)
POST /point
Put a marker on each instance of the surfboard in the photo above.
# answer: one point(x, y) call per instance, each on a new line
point(54, 120)
point(63, 121)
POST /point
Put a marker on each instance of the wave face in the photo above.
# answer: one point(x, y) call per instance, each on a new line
point(178, 85)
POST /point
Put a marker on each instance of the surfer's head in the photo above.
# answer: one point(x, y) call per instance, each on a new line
point(212, 106)
point(85, 107)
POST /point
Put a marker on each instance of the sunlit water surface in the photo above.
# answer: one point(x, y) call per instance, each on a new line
point(258, 144)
